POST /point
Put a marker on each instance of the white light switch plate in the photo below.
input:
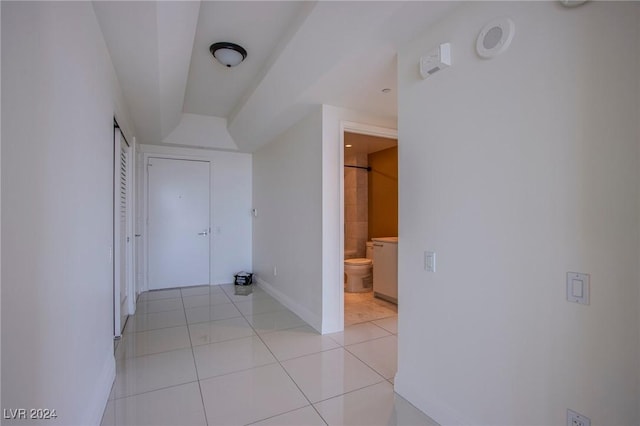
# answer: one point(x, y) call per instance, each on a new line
point(578, 288)
point(430, 261)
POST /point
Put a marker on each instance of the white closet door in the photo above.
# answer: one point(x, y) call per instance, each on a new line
point(122, 242)
point(178, 222)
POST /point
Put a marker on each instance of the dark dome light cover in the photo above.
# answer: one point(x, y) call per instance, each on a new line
point(224, 45)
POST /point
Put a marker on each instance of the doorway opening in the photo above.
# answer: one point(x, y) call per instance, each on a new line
point(370, 224)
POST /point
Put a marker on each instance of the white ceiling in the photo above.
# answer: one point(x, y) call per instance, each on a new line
point(366, 144)
point(213, 89)
point(300, 54)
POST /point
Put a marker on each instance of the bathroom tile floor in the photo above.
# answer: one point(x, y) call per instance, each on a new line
point(362, 307)
point(204, 356)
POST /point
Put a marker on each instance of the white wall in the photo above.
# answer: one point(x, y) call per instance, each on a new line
point(231, 223)
point(59, 98)
point(333, 118)
point(287, 233)
point(516, 170)
point(297, 190)
point(203, 131)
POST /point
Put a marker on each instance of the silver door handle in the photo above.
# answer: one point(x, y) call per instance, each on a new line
point(203, 233)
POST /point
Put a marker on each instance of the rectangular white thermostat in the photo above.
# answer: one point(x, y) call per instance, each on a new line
point(436, 60)
point(578, 288)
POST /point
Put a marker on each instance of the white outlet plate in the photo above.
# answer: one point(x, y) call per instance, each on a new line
point(578, 288)
point(576, 419)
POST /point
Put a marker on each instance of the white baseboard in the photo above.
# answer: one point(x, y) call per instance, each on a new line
point(102, 390)
point(421, 398)
point(309, 317)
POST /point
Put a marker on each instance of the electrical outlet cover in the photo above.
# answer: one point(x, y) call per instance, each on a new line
point(576, 419)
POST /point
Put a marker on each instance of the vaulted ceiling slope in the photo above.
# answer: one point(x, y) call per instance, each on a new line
point(300, 54)
point(150, 45)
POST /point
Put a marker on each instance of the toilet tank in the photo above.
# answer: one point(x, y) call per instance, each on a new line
point(369, 254)
point(350, 254)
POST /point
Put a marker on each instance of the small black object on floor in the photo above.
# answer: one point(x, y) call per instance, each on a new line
point(243, 283)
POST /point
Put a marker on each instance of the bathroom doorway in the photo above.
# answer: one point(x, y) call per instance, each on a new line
point(370, 209)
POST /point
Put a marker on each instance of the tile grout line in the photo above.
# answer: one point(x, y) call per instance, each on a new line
point(372, 320)
point(390, 333)
point(124, 359)
point(290, 378)
point(362, 361)
point(282, 414)
point(370, 340)
point(152, 329)
point(313, 353)
point(379, 326)
point(152, 390)
point(351, 391)
point(195, 365)
point(367, 364)
point(260, 337)
point(204, 322)
point(383, 379)
point(342, 346)
point(238, 371)
point(277, 330)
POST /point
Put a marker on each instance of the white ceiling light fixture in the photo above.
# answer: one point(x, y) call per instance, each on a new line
point(228, 54)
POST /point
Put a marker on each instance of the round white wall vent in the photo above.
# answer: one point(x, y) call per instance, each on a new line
point(495, 37)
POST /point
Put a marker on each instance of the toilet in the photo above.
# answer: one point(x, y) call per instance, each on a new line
point(358, 272)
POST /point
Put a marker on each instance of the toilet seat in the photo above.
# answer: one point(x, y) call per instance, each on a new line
point(358, 262)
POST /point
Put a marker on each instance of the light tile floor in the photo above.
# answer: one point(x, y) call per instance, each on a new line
point(362, 307)
point(204, 356)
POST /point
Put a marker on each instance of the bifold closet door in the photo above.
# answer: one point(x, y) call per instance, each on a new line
point(121, 231)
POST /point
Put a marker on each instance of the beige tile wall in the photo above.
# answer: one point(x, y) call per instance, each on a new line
point(356, 204)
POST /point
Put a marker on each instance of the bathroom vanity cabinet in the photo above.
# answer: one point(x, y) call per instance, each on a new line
point(385, 268)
